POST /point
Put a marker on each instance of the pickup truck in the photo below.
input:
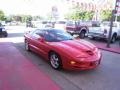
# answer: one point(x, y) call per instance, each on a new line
point(76, 27)
point(102, 31)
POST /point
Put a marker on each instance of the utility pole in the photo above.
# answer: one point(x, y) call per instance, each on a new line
point(111, 23)
point(110, 32)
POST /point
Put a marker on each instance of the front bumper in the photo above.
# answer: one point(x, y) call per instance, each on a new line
point(97, 35)
point(84, 65)
point(73, 32)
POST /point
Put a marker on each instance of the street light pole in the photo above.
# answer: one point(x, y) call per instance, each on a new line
point(110, 32)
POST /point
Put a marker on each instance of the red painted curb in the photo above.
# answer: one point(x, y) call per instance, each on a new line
point(114, 49)
point(18, 73)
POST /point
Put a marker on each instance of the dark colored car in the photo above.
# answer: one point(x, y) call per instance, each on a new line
point(3, 32)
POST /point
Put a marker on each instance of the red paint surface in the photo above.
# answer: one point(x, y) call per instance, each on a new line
point(18, 73)
point(68, 50)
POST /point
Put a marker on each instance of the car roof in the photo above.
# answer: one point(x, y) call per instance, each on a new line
point(47, 29)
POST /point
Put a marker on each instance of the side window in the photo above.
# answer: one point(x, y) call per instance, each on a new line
point(38, 33)
point(49, 37)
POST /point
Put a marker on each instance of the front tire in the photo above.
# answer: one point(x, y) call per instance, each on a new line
point(5, 34)
point(82, 34)
point(55, 60)
point(113, 39)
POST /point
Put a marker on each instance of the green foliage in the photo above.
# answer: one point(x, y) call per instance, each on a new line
point(23, 18)
point(78, 14)
point(35, 18)
point(2, 16)
point(106, 15)
point(49, 16)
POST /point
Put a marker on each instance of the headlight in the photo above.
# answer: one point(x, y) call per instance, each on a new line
point(97, 51)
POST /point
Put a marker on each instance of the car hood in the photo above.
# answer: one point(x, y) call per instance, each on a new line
point(76, 48)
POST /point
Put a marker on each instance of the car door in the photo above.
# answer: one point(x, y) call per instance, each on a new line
point(40, 45)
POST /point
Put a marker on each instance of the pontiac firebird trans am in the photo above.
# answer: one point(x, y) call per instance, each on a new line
point(62, 50)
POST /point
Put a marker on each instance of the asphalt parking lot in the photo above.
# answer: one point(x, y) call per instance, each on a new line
point(105, 77)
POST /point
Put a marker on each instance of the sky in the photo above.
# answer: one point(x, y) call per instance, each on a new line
point(25, 6)
point(35, 7)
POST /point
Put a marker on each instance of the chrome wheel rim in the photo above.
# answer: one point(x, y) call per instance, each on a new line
point(54, 60)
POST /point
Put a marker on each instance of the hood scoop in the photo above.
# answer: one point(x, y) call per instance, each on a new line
point(90, 52)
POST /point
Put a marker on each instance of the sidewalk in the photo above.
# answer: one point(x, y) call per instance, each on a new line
point(114, 47)
point(18, 73)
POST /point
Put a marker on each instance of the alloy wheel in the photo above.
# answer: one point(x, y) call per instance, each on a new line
point(54, 60)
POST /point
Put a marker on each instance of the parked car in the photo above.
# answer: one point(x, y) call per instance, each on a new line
point(3, 32)
point(62, 50)
point(103, 31)
point(77, 27)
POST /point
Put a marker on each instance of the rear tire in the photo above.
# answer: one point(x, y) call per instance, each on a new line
point(113, 39)
point(27, 48)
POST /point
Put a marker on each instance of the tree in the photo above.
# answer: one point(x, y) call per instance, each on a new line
point(35, 18)
point(2, 16)
point(106, 15)
point(78, 14)
point(26, 18)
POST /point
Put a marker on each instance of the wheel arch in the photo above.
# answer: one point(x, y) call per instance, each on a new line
point(83, 29)
point(61, 63)
point(115, 34)
point(51, 52)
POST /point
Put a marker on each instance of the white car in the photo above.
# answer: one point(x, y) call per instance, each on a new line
point(103, 31)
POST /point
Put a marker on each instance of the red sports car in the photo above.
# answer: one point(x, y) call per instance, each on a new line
point(62, 50)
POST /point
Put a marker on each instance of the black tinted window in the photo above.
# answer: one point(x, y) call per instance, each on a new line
point(57, 35)
point(37, 33)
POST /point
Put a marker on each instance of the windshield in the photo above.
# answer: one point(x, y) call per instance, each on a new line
point(57, 35)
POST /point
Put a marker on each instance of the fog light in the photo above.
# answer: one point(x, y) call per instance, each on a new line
point(72, 62)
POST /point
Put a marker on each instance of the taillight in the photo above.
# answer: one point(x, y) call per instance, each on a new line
point(105, 31)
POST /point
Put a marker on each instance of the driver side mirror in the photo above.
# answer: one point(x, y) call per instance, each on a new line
point(41, 39)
